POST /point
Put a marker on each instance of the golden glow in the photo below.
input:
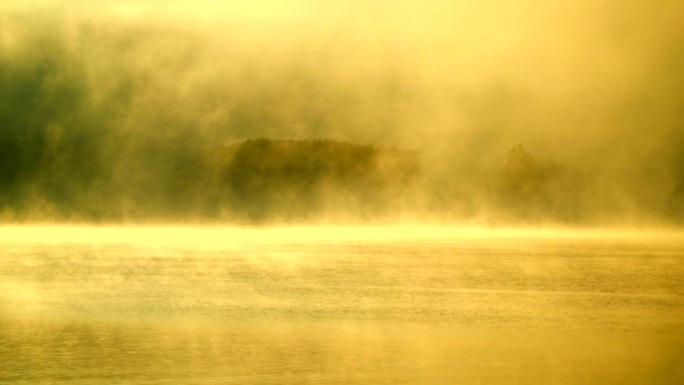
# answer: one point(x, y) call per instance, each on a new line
point(142, 240)
point(226, 236)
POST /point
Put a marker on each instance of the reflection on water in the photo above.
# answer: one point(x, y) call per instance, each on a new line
point(437, 312)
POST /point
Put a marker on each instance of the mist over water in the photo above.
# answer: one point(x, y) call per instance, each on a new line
point(288, 192)
point(118, 111)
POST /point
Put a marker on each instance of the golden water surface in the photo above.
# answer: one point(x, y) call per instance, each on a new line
point(339, 306)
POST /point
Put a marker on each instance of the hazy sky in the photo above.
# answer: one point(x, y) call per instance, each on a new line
point(585, 72)
point(530, 70)
point(593, 84)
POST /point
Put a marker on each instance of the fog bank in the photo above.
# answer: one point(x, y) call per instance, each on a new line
point(109, 109)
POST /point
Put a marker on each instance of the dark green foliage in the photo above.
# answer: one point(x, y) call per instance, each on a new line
point(46, 148)
point(288, 179)
point(529, 190)
point(523, 178)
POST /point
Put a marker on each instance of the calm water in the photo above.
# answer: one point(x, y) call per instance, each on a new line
point(459, 311)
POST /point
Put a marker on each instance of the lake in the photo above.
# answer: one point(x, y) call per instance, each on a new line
point(339, 306)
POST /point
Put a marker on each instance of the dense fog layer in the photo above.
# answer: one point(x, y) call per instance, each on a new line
point(511, 111)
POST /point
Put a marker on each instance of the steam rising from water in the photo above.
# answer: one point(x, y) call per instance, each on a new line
point(104, 102)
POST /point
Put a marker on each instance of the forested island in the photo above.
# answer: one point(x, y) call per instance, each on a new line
point(75, 178)
point(252, 181)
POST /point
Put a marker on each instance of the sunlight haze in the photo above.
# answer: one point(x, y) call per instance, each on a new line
point(592, 90)
point(342, 192)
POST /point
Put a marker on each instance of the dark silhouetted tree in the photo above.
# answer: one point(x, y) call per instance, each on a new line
point(522, 177)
